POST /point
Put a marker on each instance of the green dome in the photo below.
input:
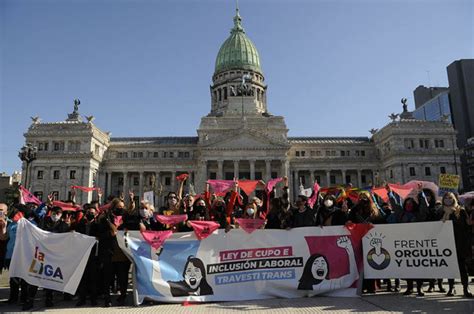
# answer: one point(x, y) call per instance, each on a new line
point(238, 51)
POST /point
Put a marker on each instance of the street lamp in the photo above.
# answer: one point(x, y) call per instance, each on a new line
point(27, 154)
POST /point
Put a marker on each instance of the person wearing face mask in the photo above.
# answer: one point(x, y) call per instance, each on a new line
point(451, 210)
point(88, 285)
point(112, 259)
point(329, 214)
point(278, 216)
point(54, 223)
point(406, 213)
point(147, 220)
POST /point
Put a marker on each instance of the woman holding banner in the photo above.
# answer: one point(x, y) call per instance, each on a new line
point(462, 233)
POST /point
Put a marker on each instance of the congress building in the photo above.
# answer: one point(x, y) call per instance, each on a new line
point(238, 137)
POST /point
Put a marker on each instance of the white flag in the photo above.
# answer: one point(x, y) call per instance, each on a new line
point(50, 260)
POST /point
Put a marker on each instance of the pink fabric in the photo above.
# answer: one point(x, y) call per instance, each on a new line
point(248, 186)
point(220, 186)
point(250, 225)
point(203, 229)
point(400, 190)
point(83, 188)
point(312, 200)
point(104, 207)
point(382, 193)
point(65, 206)
point(156, 238)
point(271, 184)
point(171, 220)
point(118, 220)
point(182, 177)
point(28, 197)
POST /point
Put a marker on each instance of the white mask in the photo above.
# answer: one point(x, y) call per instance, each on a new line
point(328, 203)
point(145, 213)
point(55, 218)
point(250, 211)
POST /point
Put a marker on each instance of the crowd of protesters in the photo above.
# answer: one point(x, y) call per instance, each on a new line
point(108, 268)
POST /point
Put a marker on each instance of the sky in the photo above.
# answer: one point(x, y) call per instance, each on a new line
point(144, 67)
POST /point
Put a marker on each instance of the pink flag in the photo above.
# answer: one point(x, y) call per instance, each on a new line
point(314, 197)
point(171, 219)
point(65, 206)
point(28, 197)
point(220, 186)
point(104, 207)
point(203, 229)
point(400, 190)
point(156, 238)
point(182, 177)
point(382, 193)
point(250, 225)
point(271, 184)
point(83, 188)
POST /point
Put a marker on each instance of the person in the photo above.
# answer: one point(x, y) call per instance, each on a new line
point(57, 222)
point(112, 259)
point(302, 215)
point(329, 214)
point(427, 201)
point(451, 210)
point(406, 213)
point(88, 285)
point(278, 216)
point(147, 219)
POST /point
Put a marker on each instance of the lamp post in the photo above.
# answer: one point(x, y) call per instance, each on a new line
point(27, 154)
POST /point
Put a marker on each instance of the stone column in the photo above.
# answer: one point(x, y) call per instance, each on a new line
point(296, 184)
point(343, 172)
point(311, 176)
point(236, 169)
point(252, 169)
point(359, 178)
point(66, 189)
point(174, 188)
point(284, 168)
point(125, 186)
point(201, 177)
point(268, 170)
point(220, 167)
point(140, 185)
point(328, 177)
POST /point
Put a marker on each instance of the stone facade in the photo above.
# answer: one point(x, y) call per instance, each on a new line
point(237, 138)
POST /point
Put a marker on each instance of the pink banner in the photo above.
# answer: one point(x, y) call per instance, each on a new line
point(65, 206)
point(203, 229)
point(28, 197)
point(156, 238)
point(118, 220)
point(171, 219)
point(271, 184)
point(248, 186)
point(250, 225)
point(182, 177)
point(220, 186)
point(83, 188)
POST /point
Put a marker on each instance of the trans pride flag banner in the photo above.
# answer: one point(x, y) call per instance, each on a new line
point(244, 266)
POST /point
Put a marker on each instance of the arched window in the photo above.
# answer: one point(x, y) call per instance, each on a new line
point(225, 93)
point(220, 94)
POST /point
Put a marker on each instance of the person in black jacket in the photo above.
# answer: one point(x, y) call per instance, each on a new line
point(56, 223)
point(302, 215)
point(88, 285)
point(329, 214)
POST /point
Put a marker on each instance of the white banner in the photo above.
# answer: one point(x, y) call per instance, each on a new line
point(410, 251)
point(50, 260)
point(149, 197)
point(241, 266)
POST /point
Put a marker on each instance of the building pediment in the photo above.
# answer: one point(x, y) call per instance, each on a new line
point(245, 139)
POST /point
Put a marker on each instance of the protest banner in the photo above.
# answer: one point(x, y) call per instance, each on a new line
point(448, 183)
point(50, 260)
point(241, 266)
point(149, 197)
point(410, 251)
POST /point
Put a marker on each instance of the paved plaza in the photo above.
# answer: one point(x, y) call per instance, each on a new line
point(379, 303)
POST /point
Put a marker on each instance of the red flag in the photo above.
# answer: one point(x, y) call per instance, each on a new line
point(358, 231)
point(156, 238)
point(203, 229)
point(400, 190)
point(83, 188)
point(171, 219)
point(268, 189)
point(250, 225)
point(182, 177)
point(248, 186)
point(382, 193)
point(220, 186)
